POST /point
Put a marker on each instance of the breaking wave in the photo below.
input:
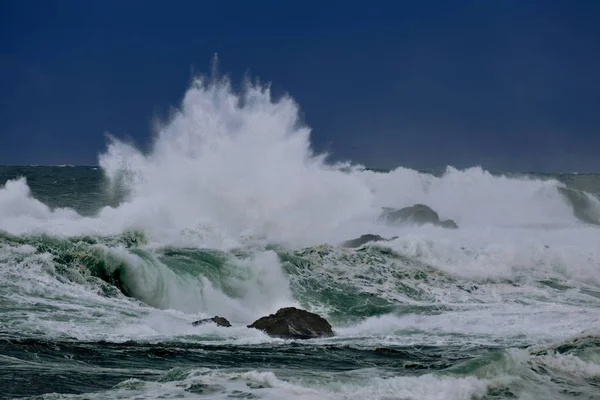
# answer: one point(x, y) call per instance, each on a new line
point(232, 213)
point(229, 166)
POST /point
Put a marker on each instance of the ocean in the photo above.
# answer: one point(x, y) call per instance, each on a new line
point(229, 212)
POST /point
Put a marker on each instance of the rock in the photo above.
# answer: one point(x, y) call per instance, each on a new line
point(419, 214)
point(217, 320)
point(450, 224)
point(365, 239)
point(293, 323)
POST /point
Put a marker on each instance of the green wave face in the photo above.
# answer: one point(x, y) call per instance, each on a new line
point(346, 285)
point(120, 265)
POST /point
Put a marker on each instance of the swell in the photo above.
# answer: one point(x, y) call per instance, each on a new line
point(570, 369)
point(165, 354)
point(65, 365)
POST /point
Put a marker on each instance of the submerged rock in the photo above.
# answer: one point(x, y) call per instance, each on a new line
point(419, 214)
point(365, 239)
point(293, 323)
point(217, 320)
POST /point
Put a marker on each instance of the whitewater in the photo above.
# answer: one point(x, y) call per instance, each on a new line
point(231, 212)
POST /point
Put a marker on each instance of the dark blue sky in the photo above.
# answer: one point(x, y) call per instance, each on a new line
point(507, 84)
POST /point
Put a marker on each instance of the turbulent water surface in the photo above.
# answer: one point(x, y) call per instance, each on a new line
point(103, 270)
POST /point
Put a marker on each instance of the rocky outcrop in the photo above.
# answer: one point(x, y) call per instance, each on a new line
point(365, 239)
point(293, 323)
point(419, 214)
point(217, 320)
point(448, 223)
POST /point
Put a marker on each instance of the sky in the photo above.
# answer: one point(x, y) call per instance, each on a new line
point(510, 85)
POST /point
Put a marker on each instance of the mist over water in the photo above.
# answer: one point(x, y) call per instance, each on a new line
point(231, 213)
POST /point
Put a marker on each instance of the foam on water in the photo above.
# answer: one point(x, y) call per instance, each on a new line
point(491, 313)
point(514, 373)
point(491, 325)
point(37, 302)
point(209, 384)
point(37, 299)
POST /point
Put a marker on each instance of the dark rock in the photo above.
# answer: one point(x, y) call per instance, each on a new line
point(293, 323)
point(419, 214)
point(217, 320)
point(365, 239)
point(450, 224)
